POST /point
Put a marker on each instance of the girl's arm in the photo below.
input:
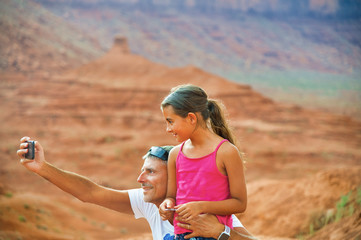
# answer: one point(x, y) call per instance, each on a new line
point(169, 202)
point(230, 163)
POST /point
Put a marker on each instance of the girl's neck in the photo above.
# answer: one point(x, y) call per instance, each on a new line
point(200, 144)
point(202, 136)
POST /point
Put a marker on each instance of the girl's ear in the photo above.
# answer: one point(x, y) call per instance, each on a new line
point(192, 118)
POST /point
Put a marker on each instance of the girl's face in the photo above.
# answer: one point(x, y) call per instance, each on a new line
point(181, 128)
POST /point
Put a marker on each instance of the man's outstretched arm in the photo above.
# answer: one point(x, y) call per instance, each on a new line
point(79, 186)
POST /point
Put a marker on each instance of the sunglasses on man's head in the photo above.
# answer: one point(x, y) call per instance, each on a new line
point(159, 153)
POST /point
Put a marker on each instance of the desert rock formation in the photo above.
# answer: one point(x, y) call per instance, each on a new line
point(100, 118)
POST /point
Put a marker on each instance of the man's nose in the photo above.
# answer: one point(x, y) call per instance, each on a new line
point(140, 177)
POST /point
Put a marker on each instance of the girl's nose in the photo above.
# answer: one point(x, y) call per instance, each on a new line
point(168, 129)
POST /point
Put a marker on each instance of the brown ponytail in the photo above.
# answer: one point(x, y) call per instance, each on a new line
point(218, 123)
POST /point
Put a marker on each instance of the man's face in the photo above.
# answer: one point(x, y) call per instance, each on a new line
point(154, 179)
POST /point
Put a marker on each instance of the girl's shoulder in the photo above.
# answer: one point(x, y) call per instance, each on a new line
point(228, 149)
point(175, 150)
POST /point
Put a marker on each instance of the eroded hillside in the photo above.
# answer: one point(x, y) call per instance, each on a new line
point(99, 119)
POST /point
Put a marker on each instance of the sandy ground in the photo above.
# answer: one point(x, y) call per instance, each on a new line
point(98, 120)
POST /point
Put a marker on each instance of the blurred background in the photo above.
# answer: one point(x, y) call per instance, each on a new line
point(86, 77)
point(304, 51)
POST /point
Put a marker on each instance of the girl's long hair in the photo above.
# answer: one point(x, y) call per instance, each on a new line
point(189, 98)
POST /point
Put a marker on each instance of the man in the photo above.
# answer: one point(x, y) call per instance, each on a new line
point(142, 202)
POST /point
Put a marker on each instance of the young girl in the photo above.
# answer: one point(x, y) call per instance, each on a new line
point(205, 172)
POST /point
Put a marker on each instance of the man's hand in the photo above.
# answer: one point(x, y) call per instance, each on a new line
point(204, 225)
point(35, 164)
point(207, 225)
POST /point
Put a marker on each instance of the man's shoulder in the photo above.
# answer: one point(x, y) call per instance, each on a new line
point(160, 229)
point(140, 208)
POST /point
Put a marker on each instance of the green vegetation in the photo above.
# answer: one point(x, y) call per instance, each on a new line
point(109, 139)
point(42, 227)
point(22, 218)
point(346, 206)
point(17, 237)
point(124, 230)
point(358, 197)
point(26, 206)
point(341, 207)
point(8, 194)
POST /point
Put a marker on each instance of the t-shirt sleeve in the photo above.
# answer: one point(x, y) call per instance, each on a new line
point(137, 203)
point(236, 222)
point(140, 208)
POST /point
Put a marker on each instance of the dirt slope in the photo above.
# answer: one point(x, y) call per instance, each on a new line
point(99, 119)
point(286, 207)
point(34, 39)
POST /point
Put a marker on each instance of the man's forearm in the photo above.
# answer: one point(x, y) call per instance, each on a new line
point(240, 233)
point(207, 225)
point(237, 233)
point(72, 183)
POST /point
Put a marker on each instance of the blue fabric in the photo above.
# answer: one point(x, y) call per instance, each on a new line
point(181, 237)
point(168, 237)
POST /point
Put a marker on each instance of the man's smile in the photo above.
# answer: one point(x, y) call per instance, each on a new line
point(146, 187)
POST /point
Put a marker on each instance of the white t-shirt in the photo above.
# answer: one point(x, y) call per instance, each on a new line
point(161, 230)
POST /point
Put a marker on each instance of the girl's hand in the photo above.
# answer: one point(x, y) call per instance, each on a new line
point(166, 209)
point(189, 211)
point(31, 164)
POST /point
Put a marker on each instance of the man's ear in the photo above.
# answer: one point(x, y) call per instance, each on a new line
point(192, 118)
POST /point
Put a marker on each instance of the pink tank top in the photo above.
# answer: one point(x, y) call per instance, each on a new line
point(198, 179)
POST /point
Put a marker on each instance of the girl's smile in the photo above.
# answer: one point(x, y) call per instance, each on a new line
point(181, 128)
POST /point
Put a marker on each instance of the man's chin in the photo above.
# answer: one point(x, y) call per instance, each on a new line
point(147, 197)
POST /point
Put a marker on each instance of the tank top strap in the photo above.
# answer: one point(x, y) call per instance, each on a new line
point(219, 145)
point(181, 148)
